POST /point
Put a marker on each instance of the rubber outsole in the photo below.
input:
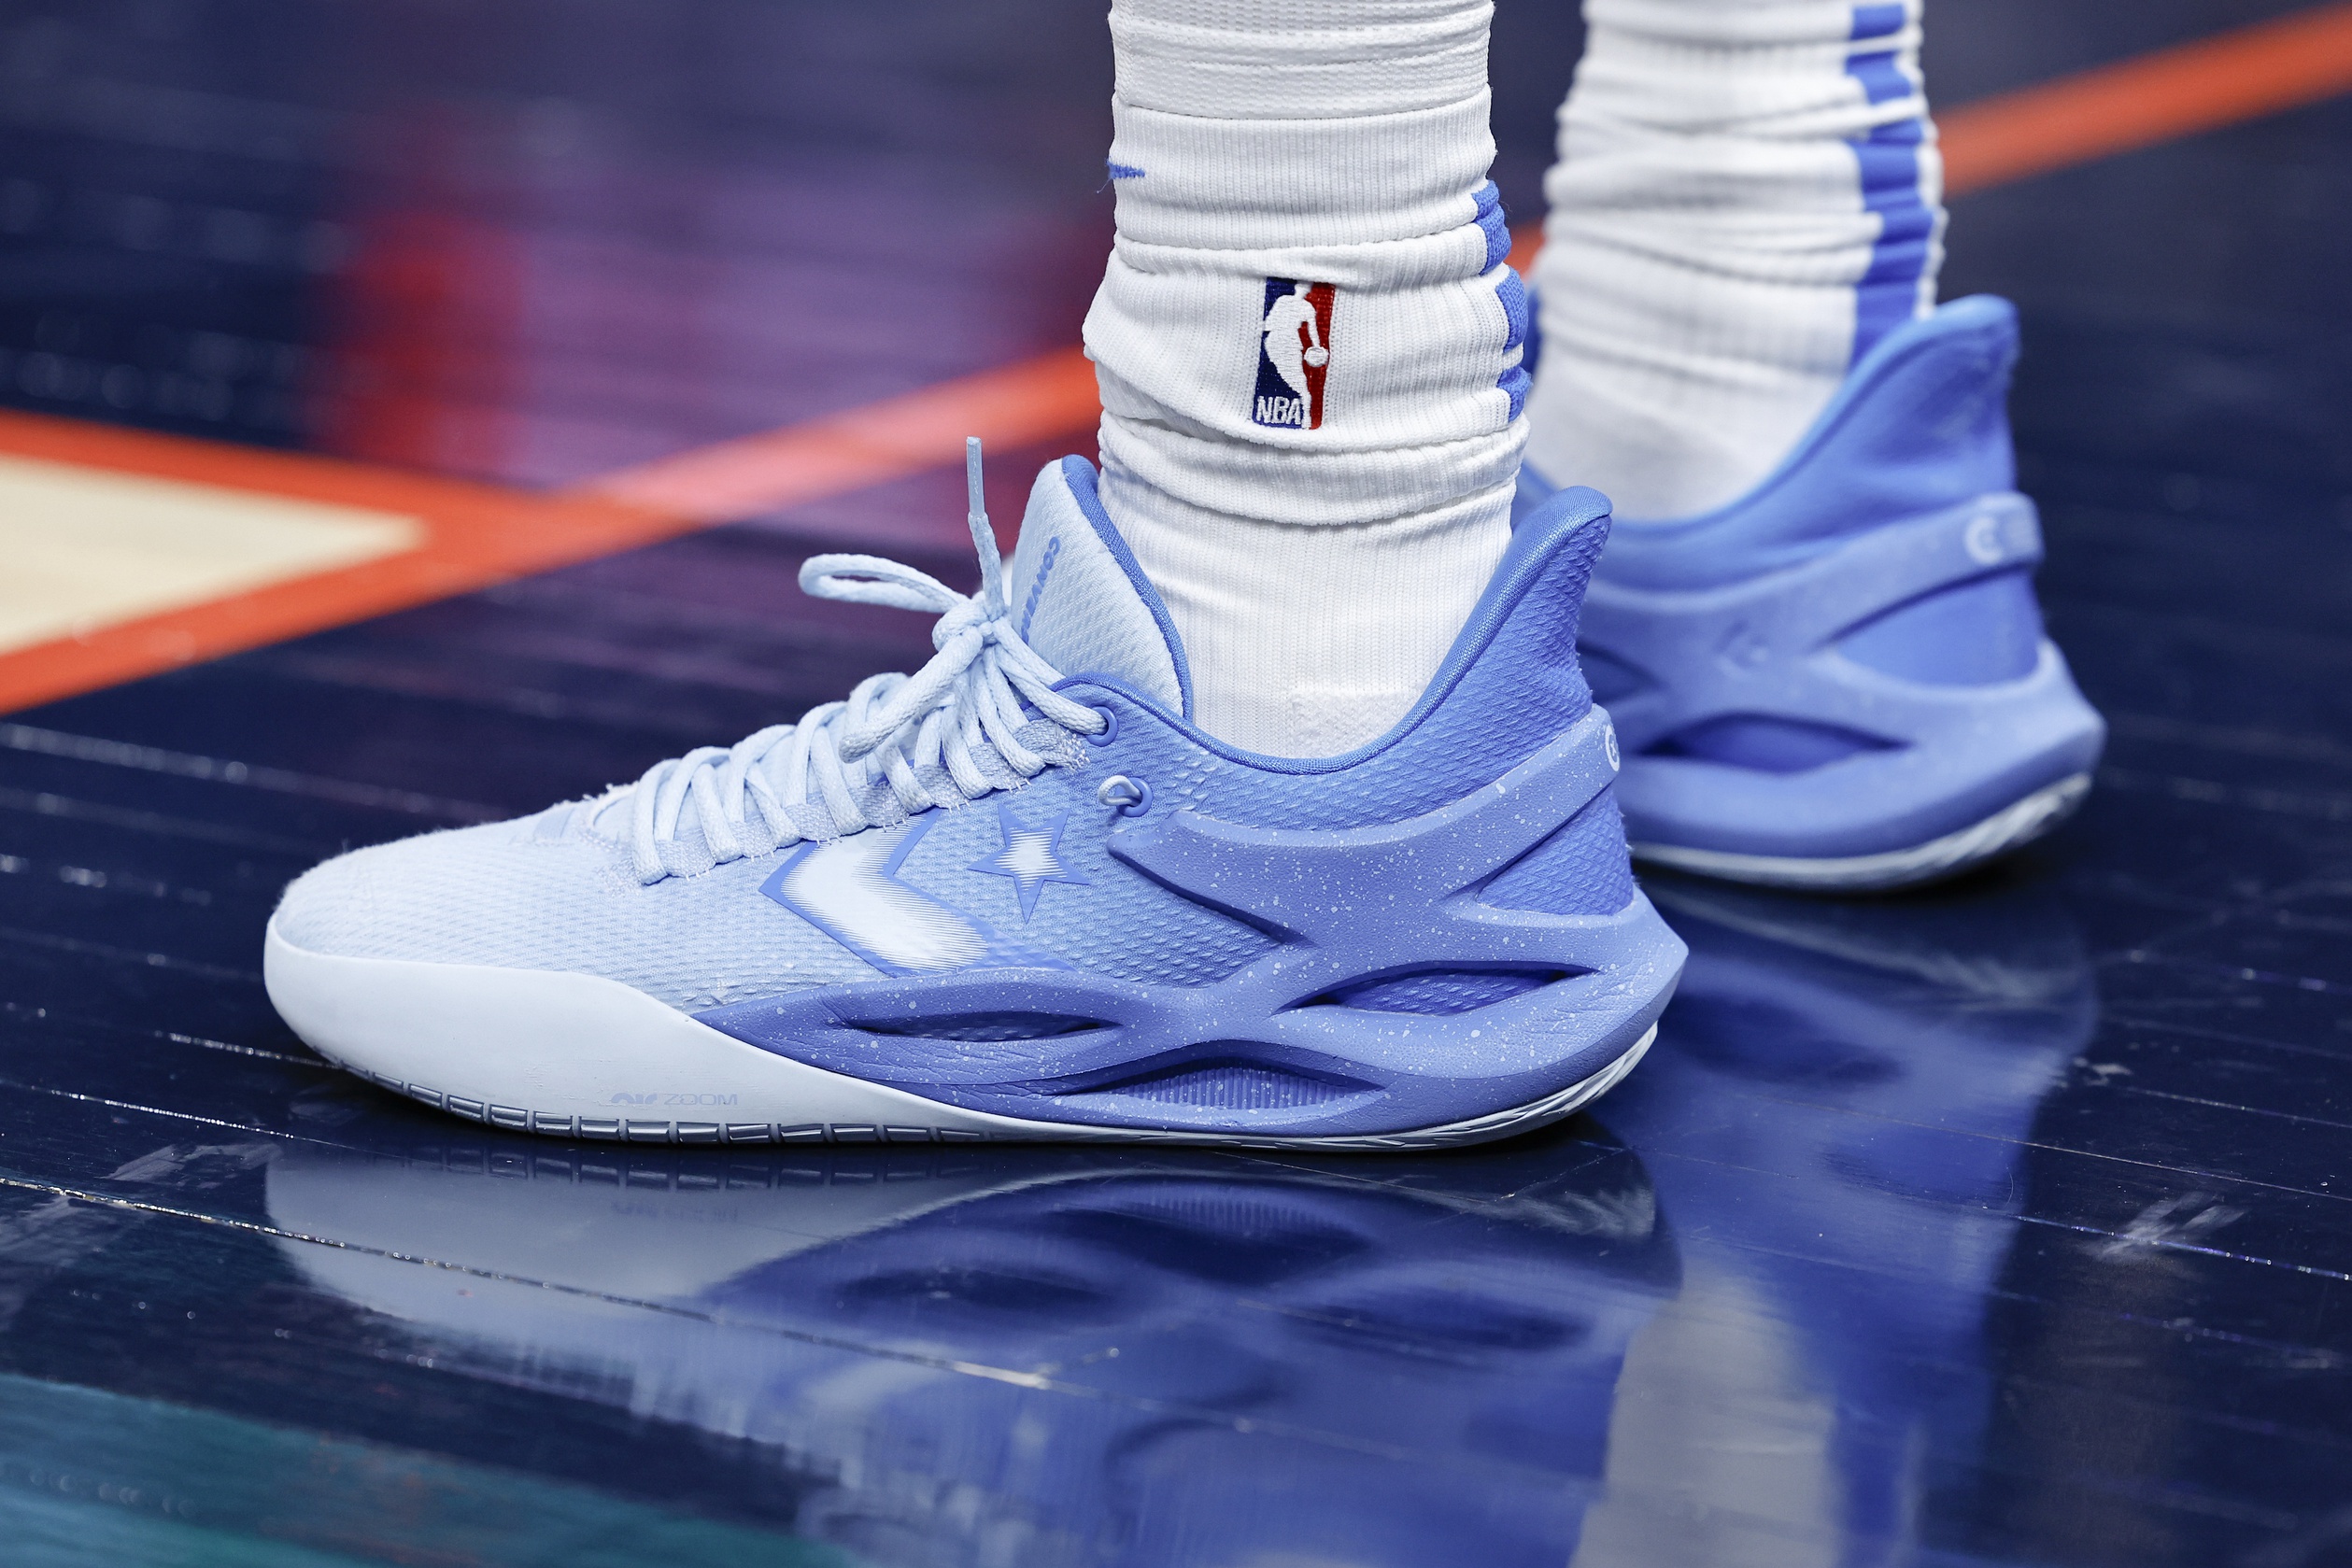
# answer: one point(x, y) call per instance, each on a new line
point(2011, 827)
point(584, 1051)
point(1531, 1117)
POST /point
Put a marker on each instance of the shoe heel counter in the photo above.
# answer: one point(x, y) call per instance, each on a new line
point(1566, 533)
point(1921, 425)
point(1979, 632)
point(1926, 425)
point(1514, 666)
point(1582, 867)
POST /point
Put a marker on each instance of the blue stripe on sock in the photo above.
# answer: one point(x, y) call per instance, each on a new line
point(1877, 21)
point(1889, 158)
point(1881, 80)
point(1511, 289)
point(1513, 293)
point(1515, 381)
point(1491, 218)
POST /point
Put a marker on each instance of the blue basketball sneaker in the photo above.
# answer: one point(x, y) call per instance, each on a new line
point(1840, 681)
point(1020, 896)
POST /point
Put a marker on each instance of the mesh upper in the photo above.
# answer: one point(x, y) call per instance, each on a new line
point(498, 897)
point(505, 896)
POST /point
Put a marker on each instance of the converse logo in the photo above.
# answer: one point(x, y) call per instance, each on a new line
point(1294, 354)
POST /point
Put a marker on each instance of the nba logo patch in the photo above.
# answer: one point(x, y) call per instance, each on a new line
point(1294, 354)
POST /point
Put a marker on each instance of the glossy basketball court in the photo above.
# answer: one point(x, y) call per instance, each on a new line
point(416, 412)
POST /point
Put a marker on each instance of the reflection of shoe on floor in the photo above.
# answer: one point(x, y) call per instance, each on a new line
point(1894, 1050)
point(1857, 1085)
point(1841, 680)
point(871, 1317)
point(1925, 1017)
point(1020, 896)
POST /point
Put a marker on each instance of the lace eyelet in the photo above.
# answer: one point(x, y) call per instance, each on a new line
point(1127, 797)
point(1110, 724)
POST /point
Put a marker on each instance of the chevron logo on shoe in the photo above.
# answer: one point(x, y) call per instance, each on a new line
point(1741, 651)
point(849, 889)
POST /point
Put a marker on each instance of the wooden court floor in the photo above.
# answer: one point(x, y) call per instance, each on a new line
point(415, 414)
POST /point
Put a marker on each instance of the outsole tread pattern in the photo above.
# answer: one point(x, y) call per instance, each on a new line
point(619, 1129)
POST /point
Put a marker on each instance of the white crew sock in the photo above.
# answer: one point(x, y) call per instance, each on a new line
point(1748, 197)
point(1319, 530)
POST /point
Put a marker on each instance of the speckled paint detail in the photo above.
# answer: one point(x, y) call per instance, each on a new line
point(1334, 909)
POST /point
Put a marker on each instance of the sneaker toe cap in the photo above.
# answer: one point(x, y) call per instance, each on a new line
point(507, 895)
point(353, 906)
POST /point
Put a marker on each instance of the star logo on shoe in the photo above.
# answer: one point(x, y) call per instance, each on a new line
point(1031, 857)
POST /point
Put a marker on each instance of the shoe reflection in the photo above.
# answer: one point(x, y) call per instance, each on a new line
point(1834, 1116)
point(1073, 1356)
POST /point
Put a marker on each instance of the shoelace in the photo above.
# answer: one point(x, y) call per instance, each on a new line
point(952, 732)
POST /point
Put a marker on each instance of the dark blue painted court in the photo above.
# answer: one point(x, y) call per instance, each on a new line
point(2007, 1224)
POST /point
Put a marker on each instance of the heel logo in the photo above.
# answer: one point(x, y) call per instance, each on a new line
point(1294, 354)
point(1987, 539)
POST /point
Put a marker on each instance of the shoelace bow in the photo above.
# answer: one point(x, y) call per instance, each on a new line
point(913, 742)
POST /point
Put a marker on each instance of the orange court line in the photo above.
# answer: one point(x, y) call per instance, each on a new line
point(1016, 405)
point(475, 535)
point(2202, 85)
point(2199, 86)
point(479, 534)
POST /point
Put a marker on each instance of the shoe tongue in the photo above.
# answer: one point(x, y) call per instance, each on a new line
point(1079, 599)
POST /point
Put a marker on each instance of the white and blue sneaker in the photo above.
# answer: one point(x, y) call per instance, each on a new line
point(1840, 681)
point(1020, 896)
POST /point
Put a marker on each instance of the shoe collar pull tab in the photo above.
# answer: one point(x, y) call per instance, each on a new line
point(1079, 598)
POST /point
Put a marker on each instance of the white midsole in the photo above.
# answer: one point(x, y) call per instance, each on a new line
point(2007, 828)
point(581, 1056)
